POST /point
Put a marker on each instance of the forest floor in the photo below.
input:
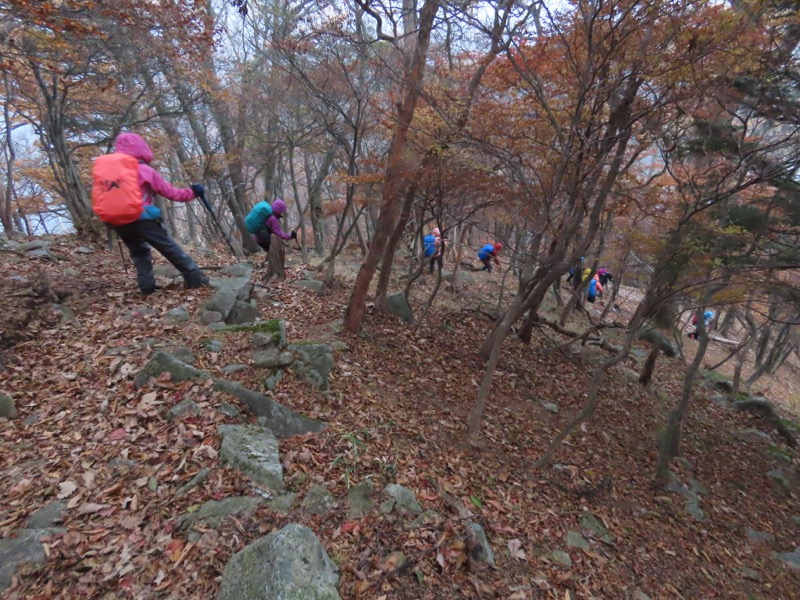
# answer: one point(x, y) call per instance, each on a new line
point(396, 411)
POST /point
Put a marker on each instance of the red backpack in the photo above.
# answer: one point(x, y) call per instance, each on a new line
point(116, 196)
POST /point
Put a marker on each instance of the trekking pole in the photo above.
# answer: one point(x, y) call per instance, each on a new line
point(124, 264)
point(207, 206)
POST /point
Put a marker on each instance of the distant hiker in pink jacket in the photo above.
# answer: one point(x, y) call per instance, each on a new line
point(140, 235)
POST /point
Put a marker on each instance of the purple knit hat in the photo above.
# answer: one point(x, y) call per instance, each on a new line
point(278, 207)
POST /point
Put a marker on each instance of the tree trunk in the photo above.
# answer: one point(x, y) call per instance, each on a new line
point(649, 365)
point(276, 258)
point(394, 169)
point(669, 446)
point(391, 247)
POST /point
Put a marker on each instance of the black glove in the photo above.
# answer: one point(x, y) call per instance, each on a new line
point(294, 235)
point(198, 190)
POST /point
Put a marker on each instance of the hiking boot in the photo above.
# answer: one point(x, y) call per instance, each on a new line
point(197, 282)
point(150, 290)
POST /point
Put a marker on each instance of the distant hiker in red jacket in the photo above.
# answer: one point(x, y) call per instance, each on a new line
point(147, 231)
point(487, 254)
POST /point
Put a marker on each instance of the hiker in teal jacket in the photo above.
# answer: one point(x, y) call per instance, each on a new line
point(271, 226)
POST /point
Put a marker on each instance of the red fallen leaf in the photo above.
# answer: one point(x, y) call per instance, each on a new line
point(117, 434)
point(218, 496)
point(349, 526)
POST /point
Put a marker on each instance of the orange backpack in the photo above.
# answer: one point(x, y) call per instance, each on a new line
point(116, 196)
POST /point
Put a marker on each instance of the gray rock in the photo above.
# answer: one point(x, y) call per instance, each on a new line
point(41, 253)
point(283, 503)
point(692, 506)
point(404, 499)
point(339, 346)
point(7, 407)
point(162, 362)
point(242, 269)
point(179, 314)
point(318, 501)
point(359, 498)
point(234, 368)
point(720, 400)
point(791, 559)
point(428, 517)
point(283, 421)
point(24, 548)
point(549, 406)
point(462, 276)
point(485, 554)
point(310, 274)
point(750, 574)
point(759, 536)
point(271, 382)
point(213, 345)
point(166, 271)
point(312, 284)
point(199, 478)
point(183, 354)
point(30, 246)
point(576, 540)
point(184, 408)
point(289, 564)
point(593, 524)
point(83, 250)
point(271, 357)
point(217, 326)
point(398, 305)
point(784, 478)
point(228, 291)
point(70, 272)
point(315, 363)
point(48, 516)
point(213, 512)
point(242, 312)
point(272, 333)
point(254, 451)
point(561, 558)
point(229, 410)
point(208, 317)
point(336, 326)
point(67, 314)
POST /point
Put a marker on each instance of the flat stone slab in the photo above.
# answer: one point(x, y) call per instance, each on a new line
point(254, 451)
point(288, 564)
point(228, 291)
point(25, 548)
point(283, 421)
point(213, 512)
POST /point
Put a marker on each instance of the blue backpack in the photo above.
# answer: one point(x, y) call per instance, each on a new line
point(430, 244)
point(257, 218)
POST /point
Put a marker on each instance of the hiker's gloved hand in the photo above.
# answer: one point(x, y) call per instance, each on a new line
point(294, 235)
point(198, 190)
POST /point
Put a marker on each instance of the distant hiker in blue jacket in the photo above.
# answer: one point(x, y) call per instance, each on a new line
point(434, 248)
point(487, 254)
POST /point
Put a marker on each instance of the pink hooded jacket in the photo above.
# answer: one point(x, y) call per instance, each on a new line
point(150, 182)
point(273, 224)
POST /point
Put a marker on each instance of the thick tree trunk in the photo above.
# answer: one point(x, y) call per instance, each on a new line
point(394, 169)
point(276, 260)
point(391, 247)
point(649, 366)
point(669, 446)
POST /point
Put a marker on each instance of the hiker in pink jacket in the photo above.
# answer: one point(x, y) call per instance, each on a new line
point(147, 231)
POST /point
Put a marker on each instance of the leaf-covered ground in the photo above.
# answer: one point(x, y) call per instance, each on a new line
point(397, 412)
